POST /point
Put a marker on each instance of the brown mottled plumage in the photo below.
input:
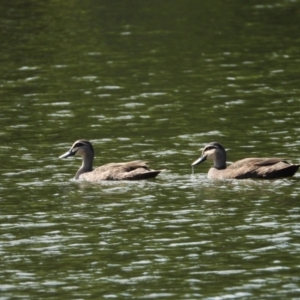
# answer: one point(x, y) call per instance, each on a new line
point(133, 170)
point(263, 168)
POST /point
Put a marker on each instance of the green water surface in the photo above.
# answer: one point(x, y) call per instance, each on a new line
point(151, 80)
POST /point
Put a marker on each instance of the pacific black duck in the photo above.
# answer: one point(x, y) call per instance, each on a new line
point(132, 170)
point(263, 168)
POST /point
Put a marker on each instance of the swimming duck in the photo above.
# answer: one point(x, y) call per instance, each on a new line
point(263, 168)
point(133, 170)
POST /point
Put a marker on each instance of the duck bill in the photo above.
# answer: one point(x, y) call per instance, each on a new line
point(67, 154)
point(199, 161)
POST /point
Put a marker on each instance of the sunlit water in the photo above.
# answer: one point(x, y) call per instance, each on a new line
point(152, 82)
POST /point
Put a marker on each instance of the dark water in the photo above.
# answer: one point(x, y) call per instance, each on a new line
point(155, 81)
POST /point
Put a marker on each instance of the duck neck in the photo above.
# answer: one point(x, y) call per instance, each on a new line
point(87, 165)
point(220, 161)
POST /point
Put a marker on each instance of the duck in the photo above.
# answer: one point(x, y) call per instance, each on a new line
point(132, 170)
point(262, 168)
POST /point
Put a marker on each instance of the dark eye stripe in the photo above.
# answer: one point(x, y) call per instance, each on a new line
point(79, 145)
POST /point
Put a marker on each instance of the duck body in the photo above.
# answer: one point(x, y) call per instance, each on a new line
point(133, 170)
point(261, 168)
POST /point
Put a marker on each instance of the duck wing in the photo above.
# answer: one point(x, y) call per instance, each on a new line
point(266, 168)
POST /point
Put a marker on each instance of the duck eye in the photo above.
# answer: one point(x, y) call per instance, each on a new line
point(79, 145)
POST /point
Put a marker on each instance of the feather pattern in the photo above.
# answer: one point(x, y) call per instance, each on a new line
point(133, 170)
point(263, 168)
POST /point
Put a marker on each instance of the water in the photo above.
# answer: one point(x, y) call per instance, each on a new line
point(154, 81)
